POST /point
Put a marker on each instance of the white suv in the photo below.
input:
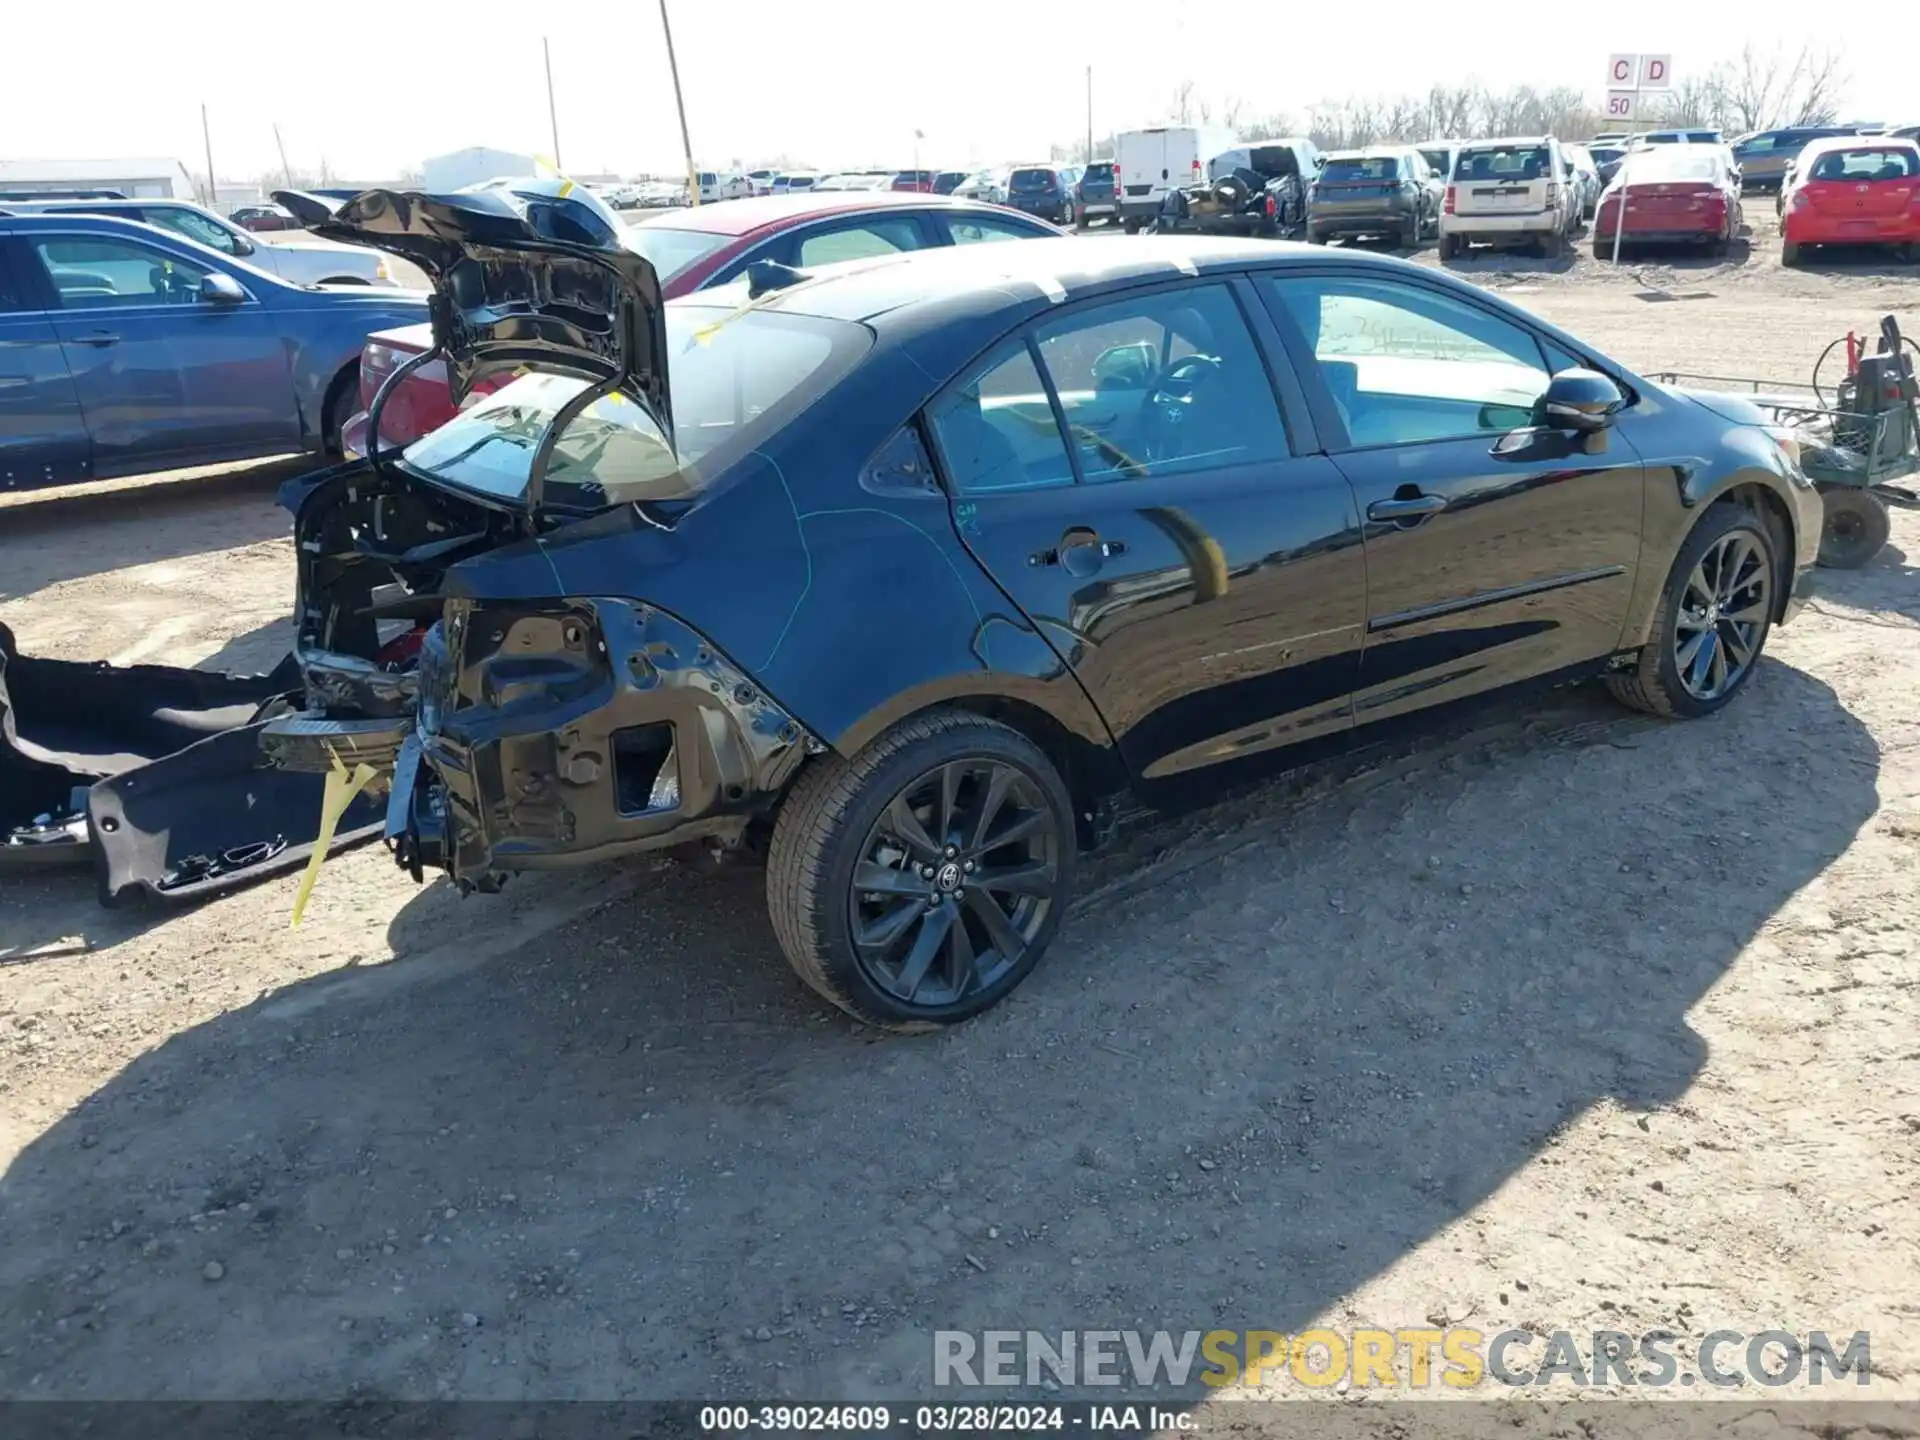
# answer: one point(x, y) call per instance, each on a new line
point(1506, 192)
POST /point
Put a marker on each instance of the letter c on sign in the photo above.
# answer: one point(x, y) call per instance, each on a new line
point(1622, 71)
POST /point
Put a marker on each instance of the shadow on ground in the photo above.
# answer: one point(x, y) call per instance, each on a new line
point(629, 1156)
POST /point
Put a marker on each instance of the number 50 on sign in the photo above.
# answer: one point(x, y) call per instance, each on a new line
point(1620, 104)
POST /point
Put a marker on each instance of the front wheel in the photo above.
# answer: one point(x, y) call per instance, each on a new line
point(1715, 613)
point(917, 884)
point(1855, 524)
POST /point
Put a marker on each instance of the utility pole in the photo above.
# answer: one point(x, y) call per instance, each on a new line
point(286, 170)
point(686, 144)
point(553, 119)
point(206, 137)
point(1089, 114)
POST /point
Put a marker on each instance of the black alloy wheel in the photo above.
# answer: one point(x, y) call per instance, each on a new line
point(1723, 615)
point(917, 883)
point(955, 881)
point(1715, 614)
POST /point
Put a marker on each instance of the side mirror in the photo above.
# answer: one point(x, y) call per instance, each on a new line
point(1580, 400)
point(242, 245)
point(218, 289)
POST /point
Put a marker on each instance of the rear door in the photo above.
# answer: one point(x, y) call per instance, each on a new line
point(43, 435)
point(1123, 471)
point(1495, 552)
point(1143, 164)
point(163, 376)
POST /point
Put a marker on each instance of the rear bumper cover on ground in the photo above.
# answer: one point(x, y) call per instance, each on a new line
point(153, 775)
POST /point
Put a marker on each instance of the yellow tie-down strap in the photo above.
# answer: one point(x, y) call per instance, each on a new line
point(342, 786)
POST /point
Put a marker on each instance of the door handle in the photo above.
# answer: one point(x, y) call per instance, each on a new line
point(1409, 507)
point(1080, 552)
point(100, 339)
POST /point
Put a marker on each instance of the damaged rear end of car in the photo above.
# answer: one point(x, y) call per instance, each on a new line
point(518, 714)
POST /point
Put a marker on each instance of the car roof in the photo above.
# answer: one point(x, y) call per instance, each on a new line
point(95, 207)
point(1858, 142)
point(772, 212)
point(982, 281)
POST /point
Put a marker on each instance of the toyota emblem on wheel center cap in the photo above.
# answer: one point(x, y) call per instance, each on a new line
point(948, 877)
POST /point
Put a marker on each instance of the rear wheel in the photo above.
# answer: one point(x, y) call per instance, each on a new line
point(1854, 526)
point(1789, 253)
point(1552, 244)
point(1715, 613)
point(917, 884)
point(1449, 246)
point(342, 396)
point(1132, 227)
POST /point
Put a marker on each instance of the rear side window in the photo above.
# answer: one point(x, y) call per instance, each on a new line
point(1169, 383)
point(1864, 164)
point(888, 235)
point(1505, 162)
point(998, 432)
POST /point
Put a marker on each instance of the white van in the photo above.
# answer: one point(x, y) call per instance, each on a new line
point(1149, 163)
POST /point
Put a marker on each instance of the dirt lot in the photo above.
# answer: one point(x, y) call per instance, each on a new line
point(1573, 1020)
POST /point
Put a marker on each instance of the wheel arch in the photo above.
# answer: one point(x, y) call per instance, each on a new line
point(344, 380)
point(1069, 734)
point(1766, 505)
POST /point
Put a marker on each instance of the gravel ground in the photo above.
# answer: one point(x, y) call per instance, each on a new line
point(1569, 1019)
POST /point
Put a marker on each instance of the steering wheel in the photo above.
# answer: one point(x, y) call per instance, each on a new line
point(1168, 409)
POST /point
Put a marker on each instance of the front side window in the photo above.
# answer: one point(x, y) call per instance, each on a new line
point(1405, 364)
point(731, 376)
point(194, 226)
point(94, 274)
point(888, 235)
point(1161, 384)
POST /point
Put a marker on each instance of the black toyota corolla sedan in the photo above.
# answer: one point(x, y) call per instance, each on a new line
point(908, 569)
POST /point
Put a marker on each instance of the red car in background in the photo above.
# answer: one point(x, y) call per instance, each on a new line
point(1852, 190)
point(694, 248)
point(918, 182)
point(1670, 194)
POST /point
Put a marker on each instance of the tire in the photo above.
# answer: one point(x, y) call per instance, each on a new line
point(342, 395)
point(1079, 219)
point(1789, 254)
point(1655, 685)
point(1552, 245)
point(1449, 246)
point(1132, 226)
point(1854, 525)
point(1316, 237)
point(839, 816)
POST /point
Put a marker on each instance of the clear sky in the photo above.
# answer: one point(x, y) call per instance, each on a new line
point(375, 88)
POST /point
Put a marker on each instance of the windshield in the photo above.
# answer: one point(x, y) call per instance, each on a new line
point(732, 375)
point(670, 250)
point(1504, 162)
point(1377, 168)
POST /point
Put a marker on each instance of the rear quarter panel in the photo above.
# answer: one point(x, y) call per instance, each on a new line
point(324, 333)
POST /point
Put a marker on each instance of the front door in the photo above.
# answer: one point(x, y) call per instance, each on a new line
point(1204, 582)
point(163, 375)
point(43, 437)
point(1496, 552)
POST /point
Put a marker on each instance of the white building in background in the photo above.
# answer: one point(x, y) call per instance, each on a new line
point(147, 178)
point(472, 166)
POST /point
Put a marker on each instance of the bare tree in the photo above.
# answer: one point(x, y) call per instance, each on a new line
point(1766, 89)
point(1181, 111)
point(1697, 101)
